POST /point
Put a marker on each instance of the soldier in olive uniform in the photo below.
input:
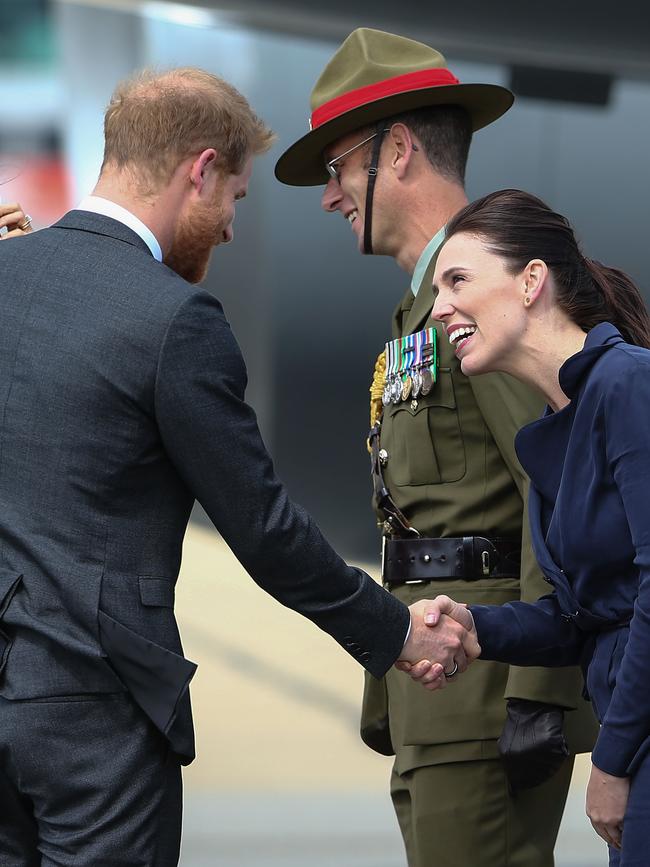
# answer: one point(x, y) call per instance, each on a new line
point(482, 769)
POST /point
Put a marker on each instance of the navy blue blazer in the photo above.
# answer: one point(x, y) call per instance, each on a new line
point(121, 401)
point(589, 466)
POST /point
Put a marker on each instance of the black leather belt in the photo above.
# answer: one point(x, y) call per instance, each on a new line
point(407, 561)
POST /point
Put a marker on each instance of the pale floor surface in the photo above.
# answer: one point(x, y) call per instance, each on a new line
point(281, 778)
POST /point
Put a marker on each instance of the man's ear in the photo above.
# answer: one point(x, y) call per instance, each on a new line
point(401, 144)
point(535, 281)
point(204, 163)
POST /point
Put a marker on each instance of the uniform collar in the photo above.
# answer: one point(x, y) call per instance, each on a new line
point(425, 257)
point(601, 338)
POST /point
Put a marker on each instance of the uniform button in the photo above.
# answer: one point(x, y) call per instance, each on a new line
point(383, 457)
point(547, 579)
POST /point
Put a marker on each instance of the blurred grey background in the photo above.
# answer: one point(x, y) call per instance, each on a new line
point(311, 316)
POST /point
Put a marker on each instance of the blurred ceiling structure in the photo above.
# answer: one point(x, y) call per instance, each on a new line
point(586, 36)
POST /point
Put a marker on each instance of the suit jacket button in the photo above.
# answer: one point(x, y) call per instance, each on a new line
point(365, 655)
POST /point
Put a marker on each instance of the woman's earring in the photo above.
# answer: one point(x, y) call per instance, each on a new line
point(526, 300)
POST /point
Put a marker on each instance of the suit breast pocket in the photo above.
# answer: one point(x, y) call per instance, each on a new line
point(423, 437)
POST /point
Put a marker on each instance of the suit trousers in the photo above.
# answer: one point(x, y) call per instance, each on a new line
point(86, 780)
point(461, 814)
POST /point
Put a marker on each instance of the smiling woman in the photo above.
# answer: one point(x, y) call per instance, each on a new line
point(517, 295)
point(509, 264)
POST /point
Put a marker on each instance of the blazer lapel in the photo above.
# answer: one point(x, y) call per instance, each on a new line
point(544, 558)
point(547, 564)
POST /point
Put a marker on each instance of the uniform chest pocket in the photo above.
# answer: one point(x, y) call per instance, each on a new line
point(423, 437)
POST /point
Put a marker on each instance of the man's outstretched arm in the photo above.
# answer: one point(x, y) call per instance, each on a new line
point(212, 437)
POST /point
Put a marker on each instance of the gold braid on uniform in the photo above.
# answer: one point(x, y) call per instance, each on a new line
point(377, 390)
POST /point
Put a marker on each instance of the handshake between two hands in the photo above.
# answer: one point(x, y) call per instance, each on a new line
point(442, 642)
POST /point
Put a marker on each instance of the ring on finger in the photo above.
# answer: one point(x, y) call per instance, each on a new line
point(26, 223)
point(449, 674)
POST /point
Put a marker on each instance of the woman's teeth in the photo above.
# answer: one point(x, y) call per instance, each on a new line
point(459, 333)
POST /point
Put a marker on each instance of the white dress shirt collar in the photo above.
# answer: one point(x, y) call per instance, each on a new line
point(99, 205)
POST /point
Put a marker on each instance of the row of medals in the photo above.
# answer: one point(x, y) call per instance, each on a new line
point(413, 382)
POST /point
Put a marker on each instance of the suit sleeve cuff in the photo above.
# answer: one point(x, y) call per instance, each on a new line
point(408, 633)
point(612, 754)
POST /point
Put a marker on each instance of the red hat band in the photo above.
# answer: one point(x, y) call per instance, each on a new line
point(389, 87)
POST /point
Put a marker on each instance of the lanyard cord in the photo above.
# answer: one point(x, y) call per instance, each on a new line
point(370, 191)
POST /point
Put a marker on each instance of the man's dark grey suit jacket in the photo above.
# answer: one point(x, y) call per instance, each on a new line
point(121, 401)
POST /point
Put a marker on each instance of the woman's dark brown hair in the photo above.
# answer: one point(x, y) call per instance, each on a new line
point(518, 227)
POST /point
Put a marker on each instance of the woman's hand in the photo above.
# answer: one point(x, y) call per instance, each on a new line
point(14, 219)
point(606, 804)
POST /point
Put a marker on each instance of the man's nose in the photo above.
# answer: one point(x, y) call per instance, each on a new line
point(332, 195)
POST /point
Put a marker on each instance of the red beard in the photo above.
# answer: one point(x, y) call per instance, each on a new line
point(191, 248)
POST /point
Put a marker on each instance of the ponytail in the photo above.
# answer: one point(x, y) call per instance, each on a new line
point(624, 304)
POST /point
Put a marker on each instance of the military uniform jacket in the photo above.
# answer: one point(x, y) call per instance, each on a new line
point(452, 470)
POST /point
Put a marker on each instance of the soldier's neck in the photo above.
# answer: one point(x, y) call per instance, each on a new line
point(431, 204)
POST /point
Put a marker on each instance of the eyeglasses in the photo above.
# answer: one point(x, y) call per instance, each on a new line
point(331, 167)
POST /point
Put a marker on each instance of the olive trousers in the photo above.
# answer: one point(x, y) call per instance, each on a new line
point(461, 814)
